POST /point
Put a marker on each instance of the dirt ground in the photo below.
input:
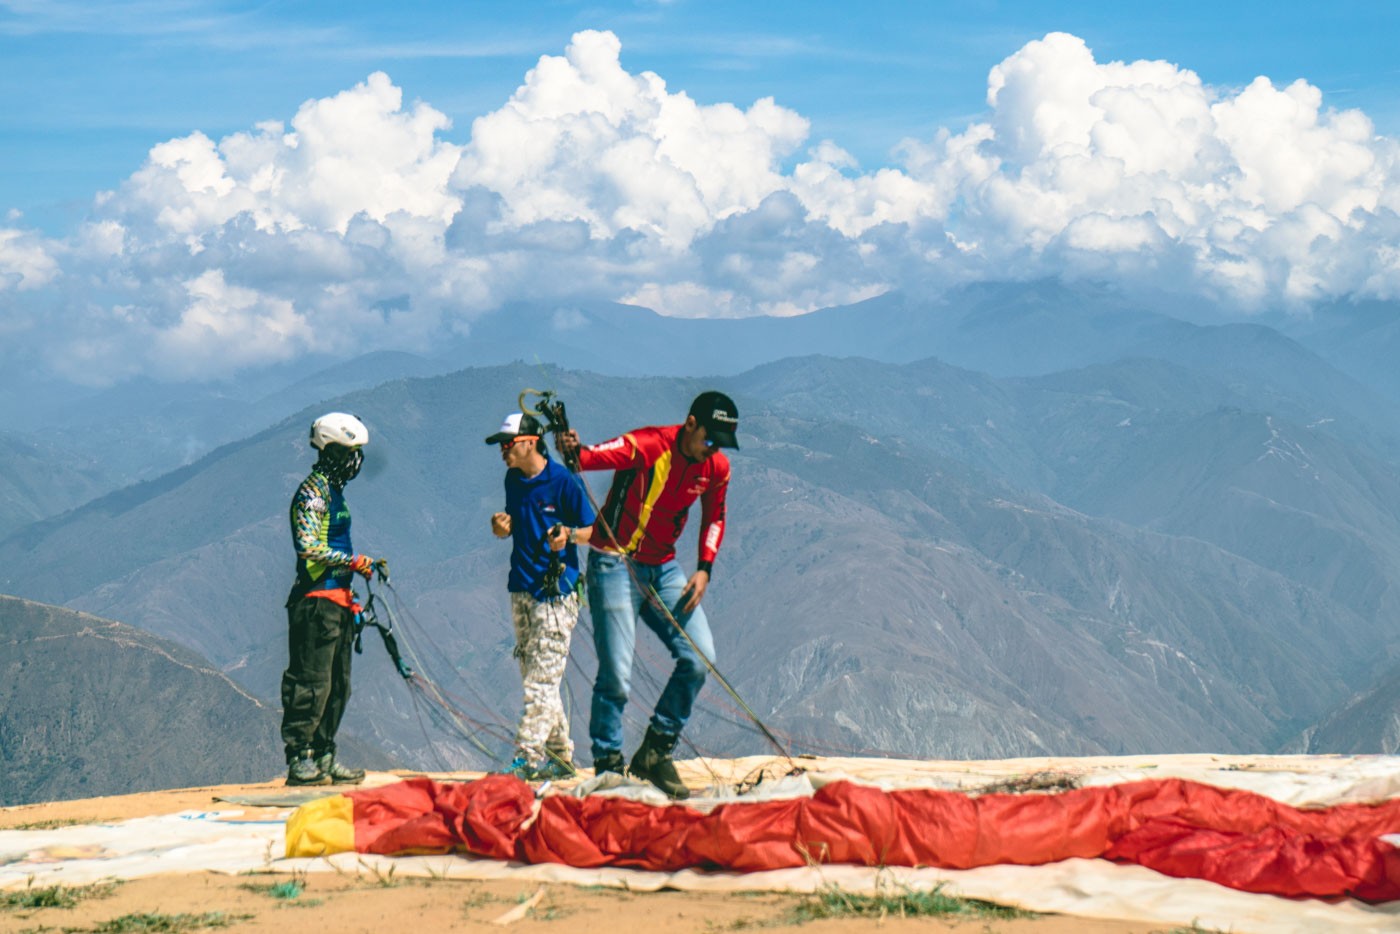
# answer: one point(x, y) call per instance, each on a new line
point(350, 906)
point(345, 905)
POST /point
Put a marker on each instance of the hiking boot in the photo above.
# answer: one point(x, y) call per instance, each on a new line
point(303, 770)
point(337, 773)
point(653, 763)
point(609, 762)
point(522, 769)
point(557, 767)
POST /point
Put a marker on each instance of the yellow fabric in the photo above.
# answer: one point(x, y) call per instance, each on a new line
point(659, 473)
point(321, 828)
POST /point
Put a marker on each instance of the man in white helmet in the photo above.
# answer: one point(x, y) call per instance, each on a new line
point(321, 607)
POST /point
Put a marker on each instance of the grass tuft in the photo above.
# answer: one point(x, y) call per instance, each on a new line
point(54, 896)
point(1027, 784)
point(382, 877)
point(286, 890)
point(152, 923)
point(831, 902)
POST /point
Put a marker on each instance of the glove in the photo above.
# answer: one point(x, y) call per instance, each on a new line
point(362, 565)
point(381, 567)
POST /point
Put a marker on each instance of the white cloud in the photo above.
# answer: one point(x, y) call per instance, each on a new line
point(25, 260)
point(223, 324)
point(360, 222)
point(585, 140)
point(1255, 184)
point(358, 152)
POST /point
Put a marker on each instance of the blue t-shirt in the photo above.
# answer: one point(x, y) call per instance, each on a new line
point(535, 505)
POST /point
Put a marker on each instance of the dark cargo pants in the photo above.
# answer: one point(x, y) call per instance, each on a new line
point(316, 684)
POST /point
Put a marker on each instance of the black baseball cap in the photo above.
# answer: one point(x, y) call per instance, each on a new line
point(515, 425)
point(719, 416)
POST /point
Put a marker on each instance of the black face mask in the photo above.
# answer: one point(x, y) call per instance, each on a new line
point(340, 464)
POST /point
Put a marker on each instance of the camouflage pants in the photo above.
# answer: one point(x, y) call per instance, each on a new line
point(542, 633)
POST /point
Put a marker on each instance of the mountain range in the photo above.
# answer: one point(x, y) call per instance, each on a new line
point(94, 707)
point(875, 593)
point(1081, 526)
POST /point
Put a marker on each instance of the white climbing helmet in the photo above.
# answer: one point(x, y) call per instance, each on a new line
point(338, 428)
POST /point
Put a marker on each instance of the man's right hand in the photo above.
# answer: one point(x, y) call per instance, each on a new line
point(569, 442)
point(363, 565)
point(500, 524)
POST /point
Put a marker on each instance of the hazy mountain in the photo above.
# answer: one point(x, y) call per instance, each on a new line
point(1005, 329)
point(39, 479)
point(1367, 724)
point(1361, 338)
point(873, 593)
point(91, 707)
point(1282, 377)
point(1013, 329)
point(1153, 444)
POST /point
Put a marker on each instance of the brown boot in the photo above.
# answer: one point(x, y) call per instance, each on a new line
point(653, 763)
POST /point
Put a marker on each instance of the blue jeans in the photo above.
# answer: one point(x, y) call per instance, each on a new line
point(615, 603)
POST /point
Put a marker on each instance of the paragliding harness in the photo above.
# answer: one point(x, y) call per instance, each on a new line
point(556, 422)
point(369, 616)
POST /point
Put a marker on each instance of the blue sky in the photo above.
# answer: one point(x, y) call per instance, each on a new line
point(192, 187)
point(92, 85)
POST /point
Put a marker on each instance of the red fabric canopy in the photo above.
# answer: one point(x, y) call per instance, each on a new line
point(1179, 828)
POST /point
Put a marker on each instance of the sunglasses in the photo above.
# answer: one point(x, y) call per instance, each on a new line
point(507, 445)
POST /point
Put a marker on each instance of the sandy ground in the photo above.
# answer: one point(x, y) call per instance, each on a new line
point(123, 807)
point(349, 906)
point(346, 905)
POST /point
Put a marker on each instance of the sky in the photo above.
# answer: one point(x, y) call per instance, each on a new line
point(193, 187)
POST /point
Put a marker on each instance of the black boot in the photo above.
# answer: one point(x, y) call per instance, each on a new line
point(653, 763)
point(609, 762)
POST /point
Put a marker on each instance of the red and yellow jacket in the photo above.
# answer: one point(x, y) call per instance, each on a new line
point(652, 490)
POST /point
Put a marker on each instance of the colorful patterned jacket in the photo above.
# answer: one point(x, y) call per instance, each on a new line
point(321, 537)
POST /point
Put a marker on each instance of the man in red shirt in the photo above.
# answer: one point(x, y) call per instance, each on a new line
point(658, 474)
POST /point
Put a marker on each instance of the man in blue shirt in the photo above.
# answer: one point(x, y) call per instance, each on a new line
point(546, 515)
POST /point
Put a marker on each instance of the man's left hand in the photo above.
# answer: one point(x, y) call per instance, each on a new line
point(695, 587)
